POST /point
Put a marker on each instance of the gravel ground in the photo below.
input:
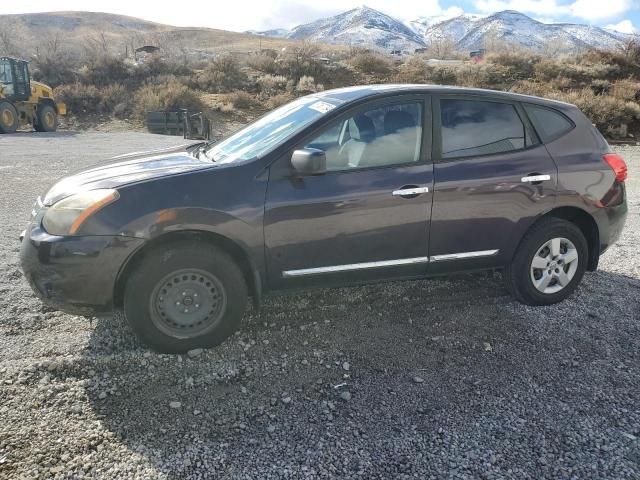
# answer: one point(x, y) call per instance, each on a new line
point(404, 380)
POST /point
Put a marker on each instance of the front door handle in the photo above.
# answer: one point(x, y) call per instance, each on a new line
point(410, 191)
point(535, 178)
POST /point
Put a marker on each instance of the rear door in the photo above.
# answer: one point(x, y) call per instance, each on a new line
point(367, 217)
point(493, 177)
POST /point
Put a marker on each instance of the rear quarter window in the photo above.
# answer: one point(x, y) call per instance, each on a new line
point(550, 124)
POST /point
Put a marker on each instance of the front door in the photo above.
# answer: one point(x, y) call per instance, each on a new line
point(368, 216)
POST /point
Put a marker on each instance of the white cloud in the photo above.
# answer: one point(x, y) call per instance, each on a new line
point(596, 9)
point(625, 26)
point(585, 9)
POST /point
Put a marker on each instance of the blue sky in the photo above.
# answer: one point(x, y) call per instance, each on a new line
point(623, 15)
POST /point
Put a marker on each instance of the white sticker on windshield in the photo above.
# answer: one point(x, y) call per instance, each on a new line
point(322, 107)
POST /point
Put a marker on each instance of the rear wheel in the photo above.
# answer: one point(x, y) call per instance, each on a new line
point(9, 119)
point(549, 263)
point(185, 296)
point(46, 119)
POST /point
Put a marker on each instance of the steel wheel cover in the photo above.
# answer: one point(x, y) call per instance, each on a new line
point(187, 303)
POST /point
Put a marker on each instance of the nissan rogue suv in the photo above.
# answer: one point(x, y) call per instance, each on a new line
point(342, 187)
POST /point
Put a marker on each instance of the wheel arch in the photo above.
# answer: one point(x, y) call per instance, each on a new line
point(233, 249)
point(48, 101)
point(587, 225)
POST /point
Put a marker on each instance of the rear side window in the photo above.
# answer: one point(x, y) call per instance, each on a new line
point(548, 123)
point(473, 128)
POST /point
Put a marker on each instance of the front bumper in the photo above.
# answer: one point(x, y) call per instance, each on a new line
point(76, 275)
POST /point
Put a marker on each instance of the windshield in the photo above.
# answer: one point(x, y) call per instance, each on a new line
point(270, 130)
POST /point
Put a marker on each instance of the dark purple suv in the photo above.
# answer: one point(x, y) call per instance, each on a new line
point(341, 187)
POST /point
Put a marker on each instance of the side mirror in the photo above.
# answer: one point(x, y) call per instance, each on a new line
point(309, 161)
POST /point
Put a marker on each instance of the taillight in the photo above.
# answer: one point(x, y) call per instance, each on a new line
point(616, 162)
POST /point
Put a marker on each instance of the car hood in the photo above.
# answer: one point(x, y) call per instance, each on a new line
point(125, 169)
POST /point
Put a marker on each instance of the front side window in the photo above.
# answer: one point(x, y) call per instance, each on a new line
point(383, 136)
point(473, 127)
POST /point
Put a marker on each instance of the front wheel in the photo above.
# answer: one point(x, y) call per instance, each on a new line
point(549, 263)
point(47, 119)
point(185, 296)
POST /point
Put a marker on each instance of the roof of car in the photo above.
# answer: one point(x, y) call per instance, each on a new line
point(350, 94)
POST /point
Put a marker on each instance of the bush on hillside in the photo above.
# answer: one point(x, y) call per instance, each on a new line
point(170, 95)
point(79, 98)
point(272, 84)
point(263, 63)
point(221, 75)
point(279, 100)
point(240, 99)
point(105, 70)
point(371, 63)
point(308, 85)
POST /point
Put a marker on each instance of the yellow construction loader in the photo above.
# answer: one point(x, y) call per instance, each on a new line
point(25, 102)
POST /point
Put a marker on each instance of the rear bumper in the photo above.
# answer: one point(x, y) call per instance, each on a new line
point(74, 274)
point(616, 216)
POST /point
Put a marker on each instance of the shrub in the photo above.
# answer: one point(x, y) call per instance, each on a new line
point(279, 100)
point(262, 63)
point(221, 75)
point(484, 76)
point(579, 73)
point(272, 84)
point(627, 89)
point(116, 99)
point(79, 98)
point(372, 63)
point(600, 87)
point(611, 115)
point(413, 70)
point(55, 71)
point(105, 70)
point(308, 85)
point(441, 74)
point(155, 66)
point(521, 65)
point(301, 61)
point(170, 95)
point(240, 99)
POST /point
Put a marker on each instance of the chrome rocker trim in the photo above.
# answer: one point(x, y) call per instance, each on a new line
point(386, 263)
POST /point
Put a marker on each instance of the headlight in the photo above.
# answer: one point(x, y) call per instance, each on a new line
point(67, 216)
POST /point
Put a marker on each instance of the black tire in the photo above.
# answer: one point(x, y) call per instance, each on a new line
point(519, 275)
point(46, 119)
point(9, 119)
point(155, 284)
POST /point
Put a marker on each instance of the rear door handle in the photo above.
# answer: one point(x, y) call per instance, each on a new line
point(410, 191)
point(535, 178)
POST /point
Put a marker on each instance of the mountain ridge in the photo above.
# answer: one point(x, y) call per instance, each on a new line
point(365, 26)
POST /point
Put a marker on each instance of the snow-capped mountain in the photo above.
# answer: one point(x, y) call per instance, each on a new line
point(367, 27)
point(519, 29)
point(437, 27)
point(361, 26)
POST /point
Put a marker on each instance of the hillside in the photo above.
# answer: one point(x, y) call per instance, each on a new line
point(74, 32)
